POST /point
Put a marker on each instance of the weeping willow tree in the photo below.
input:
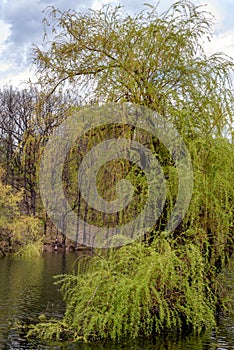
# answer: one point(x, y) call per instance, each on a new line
point(157, 61)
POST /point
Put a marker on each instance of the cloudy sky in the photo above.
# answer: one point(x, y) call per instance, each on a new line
point(21, 26)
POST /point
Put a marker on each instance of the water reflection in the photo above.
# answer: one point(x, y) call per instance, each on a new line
point(27, 291)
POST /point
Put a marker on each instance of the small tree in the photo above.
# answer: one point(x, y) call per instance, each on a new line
point(16, 231)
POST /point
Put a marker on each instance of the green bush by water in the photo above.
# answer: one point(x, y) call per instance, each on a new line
point(137, 291)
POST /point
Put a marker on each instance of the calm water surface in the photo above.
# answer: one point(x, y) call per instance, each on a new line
point(27, 291)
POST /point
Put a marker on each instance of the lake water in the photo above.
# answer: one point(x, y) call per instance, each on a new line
point(27, 290)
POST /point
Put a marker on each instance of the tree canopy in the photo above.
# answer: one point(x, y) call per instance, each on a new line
point(156, 60)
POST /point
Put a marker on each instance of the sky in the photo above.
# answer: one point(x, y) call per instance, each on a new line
point(21, 26)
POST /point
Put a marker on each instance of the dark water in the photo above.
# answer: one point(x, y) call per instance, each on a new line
point(27, 291)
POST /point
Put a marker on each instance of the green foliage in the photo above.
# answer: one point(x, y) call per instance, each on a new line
point(9, 201)
point(210, 215)
point(137, 291)
point(149, 59)
point(17, 231)
point(25, 229)
point(51, 330)
point(26, 238)
point(30, 249)
point(169, 285)
point(156, 61)
point(225, 285)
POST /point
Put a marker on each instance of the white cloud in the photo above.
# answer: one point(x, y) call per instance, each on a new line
point(4, 30)
point(17, 78)
point(223, 13)
point(213, 7)
point(97, 4)
point(223, 42)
